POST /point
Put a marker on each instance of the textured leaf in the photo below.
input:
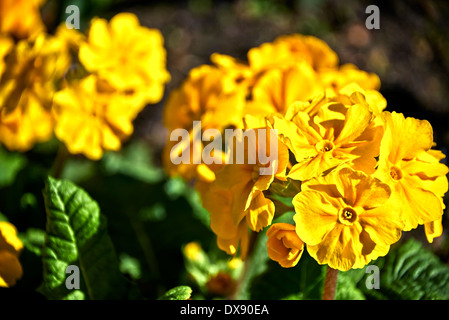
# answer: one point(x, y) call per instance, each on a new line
point(408, 272)
point(412, 272)
point(347, 285)
point(33, 240)
point(76, 234)
point(177, 293)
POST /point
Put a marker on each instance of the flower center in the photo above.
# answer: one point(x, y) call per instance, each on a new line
point(348, 216)
point(396, 173)
point(324, 146)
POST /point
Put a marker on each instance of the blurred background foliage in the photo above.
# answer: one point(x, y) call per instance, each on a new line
point(152, 218)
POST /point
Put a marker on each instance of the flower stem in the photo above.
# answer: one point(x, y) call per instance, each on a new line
point(241, 282)
point(330, 284)
point(60, 161)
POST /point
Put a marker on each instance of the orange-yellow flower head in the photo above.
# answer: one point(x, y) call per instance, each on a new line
point(230, 235)
point(30, 72)
point(291, 49)
point(278, 88)
point(201, 97)
point(240, 188)
point(21, 18)
point(346, 218)
point(10, 248)
point(284, 245)
point(92, 117)
point(129, 56)
point(326, 133)
point(413, 170)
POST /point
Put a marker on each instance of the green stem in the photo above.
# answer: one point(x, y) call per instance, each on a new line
point(59, 163)
point(145, 245)
point(330, 284)
point(246, 267)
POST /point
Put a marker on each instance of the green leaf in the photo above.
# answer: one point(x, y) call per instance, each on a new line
point(176, 187)
point(10, 165)
point(134, 160)
point(33, 240)
point(78, 170)
point(411, 272)
point(76, 234)
point(3, 217)
point(408, 272)
point(177, 293)
point(131, 266)
point(347, 285)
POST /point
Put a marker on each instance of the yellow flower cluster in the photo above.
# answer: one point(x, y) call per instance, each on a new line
point(365, 174)
point(86, 89)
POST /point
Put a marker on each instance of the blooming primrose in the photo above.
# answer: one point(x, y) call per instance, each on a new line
point(202, 98)
point(230, 236)
point(21, 18)
point(414, 172)
point(27, 86)
point(129, 56)
point(236, 200)
point(327, 135)
point(291, 49)
point(92, 117)
point(247, 182)
point(346, 218)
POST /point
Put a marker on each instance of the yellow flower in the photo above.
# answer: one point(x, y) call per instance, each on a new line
point(291, 49)
point(347, 74)
point(129, 56)
point(278, 88)
point(217, 202)
point(346, 218)
point(284, 245)
point(236, 74)
point(21, 18)
point(92, 117)
point(235, 199)
point(27, 86)
point(332, 135)
point(193, 250)
point(6, 43)
point(247, 183)
point(10, 248)
point(413, 170)
point(201, 97)
point(373, 99)
point(235, 263)
point(71, 39)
